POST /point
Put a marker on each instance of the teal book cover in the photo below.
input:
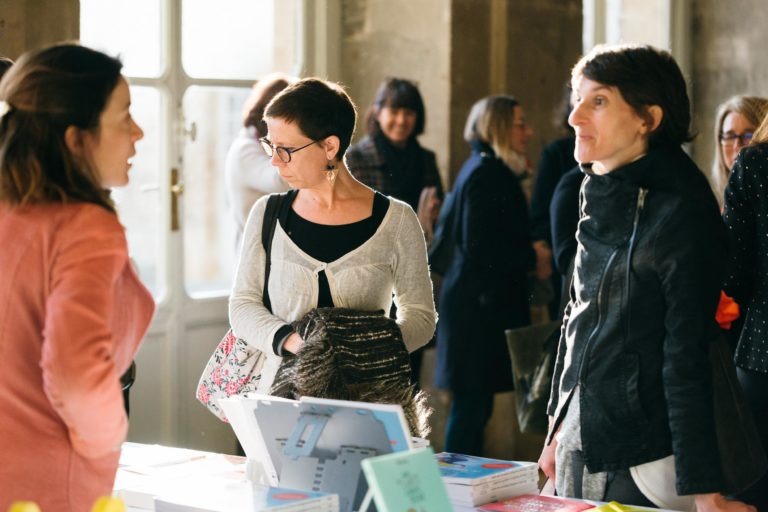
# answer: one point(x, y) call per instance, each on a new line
point(406, 481)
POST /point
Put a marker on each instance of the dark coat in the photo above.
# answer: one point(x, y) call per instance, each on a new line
point(401, 180)
point(746, 215)
point(636, 336)
point(484, 290)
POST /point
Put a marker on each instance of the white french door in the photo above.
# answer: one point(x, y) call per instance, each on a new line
point(191, 64)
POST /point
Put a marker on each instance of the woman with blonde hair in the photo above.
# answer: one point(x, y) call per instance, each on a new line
point(737, 118)
point(484, 289)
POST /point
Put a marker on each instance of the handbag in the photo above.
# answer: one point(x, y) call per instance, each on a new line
point(533, 350)
point(235, 366)
point(742, 460)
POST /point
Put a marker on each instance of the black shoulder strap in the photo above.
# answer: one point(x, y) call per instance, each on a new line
point(271, 214)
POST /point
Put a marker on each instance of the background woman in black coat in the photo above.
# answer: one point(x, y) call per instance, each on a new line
point(746, 215)
point(484, 290)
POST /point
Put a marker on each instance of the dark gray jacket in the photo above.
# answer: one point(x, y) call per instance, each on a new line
point(648, 272)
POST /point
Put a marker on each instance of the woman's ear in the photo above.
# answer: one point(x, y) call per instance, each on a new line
point(331, 145)
point(73, 138)
point(655, 115)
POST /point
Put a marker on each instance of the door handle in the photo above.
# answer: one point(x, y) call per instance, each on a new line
point(177, 189)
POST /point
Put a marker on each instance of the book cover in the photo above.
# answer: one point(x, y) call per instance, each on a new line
point(472, 470)
point(406, 481)
point(535, 503)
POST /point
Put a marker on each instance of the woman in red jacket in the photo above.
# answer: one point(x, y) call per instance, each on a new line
point(72, 310)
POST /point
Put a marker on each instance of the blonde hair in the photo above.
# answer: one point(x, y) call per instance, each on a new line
point(754, 109)
point(491, 120)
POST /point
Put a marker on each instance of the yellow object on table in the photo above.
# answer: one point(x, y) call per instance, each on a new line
point(24, 506)
point(108, 504)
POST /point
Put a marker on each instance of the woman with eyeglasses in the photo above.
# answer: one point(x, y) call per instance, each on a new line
point(485, 289)
point(737, 118)
point(337, 243)
point(746, 215)
point(631, 409)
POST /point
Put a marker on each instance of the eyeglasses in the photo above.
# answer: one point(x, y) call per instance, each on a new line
point(730, 140)
point(284, 154)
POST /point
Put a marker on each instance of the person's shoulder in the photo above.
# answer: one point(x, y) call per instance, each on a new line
point(754, 156)
point(86, 218)
point(364, 146)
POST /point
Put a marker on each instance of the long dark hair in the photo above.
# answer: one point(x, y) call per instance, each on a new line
point(46, 92)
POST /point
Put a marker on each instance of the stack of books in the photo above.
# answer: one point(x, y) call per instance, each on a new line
point(472, 481)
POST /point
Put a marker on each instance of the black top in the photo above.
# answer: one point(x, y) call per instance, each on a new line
point(564, 217)
point(746, 216)
point(327, 243)
point(556, 159)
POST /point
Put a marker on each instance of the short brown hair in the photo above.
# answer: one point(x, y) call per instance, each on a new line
point(319, 108)
point(46, 92)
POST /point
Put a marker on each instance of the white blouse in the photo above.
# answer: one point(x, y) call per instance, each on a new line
point(392, 261)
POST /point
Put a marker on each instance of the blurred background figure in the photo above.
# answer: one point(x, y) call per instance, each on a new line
point(5, 64)
point(485, 289)
point(249, 172)
point(737, 119)
point(556, 160)
point(390, 159)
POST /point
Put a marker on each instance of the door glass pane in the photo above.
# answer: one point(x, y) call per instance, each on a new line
point(128, 29)
point(238, 39)
point(138, 204)
point(213, 116)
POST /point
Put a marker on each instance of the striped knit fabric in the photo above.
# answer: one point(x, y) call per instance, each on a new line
point(353, 355)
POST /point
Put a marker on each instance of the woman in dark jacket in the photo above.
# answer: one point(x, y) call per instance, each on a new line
point(631, 409)
point(484, 290)
point(746, 216)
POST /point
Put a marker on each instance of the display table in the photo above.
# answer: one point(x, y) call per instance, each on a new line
point(147, 471)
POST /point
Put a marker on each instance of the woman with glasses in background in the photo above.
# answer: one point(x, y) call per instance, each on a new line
point(737, 118)
point(338, 243)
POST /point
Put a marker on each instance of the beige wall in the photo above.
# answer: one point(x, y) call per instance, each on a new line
point(728, 58)
point(28, 24)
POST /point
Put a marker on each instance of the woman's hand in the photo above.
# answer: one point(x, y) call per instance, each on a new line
point(293, 343)
point(543, 259)
point(717, 502)
point(547, 457)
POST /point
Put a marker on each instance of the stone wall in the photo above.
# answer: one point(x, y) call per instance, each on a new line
point(728, 58)
point(28, 24)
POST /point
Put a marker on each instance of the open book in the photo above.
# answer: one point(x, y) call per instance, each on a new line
point(316, 444)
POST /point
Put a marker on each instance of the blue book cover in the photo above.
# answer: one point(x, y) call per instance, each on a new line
point(471, 470)
point(406, 481)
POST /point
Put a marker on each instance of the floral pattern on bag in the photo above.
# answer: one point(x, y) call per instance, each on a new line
point(233, 369)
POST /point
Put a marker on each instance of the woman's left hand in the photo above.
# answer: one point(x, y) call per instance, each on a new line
point(293, 343)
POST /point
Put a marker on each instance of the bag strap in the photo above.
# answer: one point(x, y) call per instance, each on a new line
point(271, 214)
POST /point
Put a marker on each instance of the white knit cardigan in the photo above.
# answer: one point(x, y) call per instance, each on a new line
point(392, 261)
